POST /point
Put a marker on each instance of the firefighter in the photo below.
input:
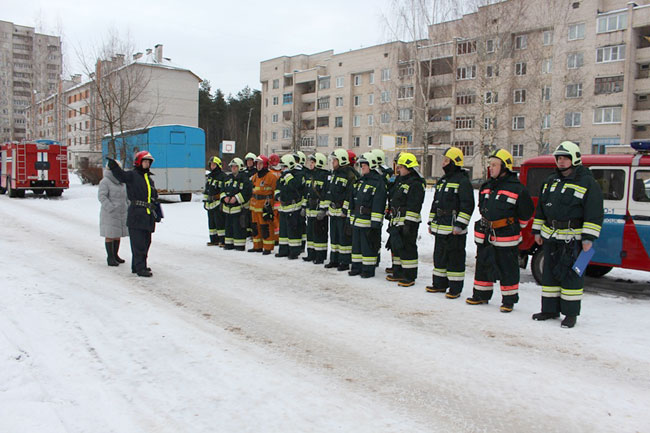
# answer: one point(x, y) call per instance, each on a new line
point(289, 192)
point(302, 172)
point(394, 180)
point(276, 168)
point(366, 216)
point(261, 206)
point(451, 211)
point(506, 207)
point(250, 167)
point(315, 189)
point(337, 201)
point(568, 220)
point(141, 216)
point(237, 190)
point(212, 200)
point(406, 200)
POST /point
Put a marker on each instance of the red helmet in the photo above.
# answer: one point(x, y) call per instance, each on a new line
point(143, 154)
point(264, 159)
point(352, 157)
point(274, 159)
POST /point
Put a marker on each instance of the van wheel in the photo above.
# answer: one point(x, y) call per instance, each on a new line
point(12, 192)
point(186, 197)
point(597, 271)
point(38, 191)
point(537, 265)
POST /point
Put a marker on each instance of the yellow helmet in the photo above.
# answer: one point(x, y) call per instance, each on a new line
point(380, 155)
point(456, 156)
point(570, 149)
point(216, 160)
point(250, 155)
point(504, 156)
point(319, 159)
point(342, 156)
point(288, 161)
point(369, 158)
point(238, 162)
point(408, 160)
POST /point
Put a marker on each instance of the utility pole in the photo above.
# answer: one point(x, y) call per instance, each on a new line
point(248, 126)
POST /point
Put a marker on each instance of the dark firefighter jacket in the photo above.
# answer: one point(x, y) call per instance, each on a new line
point(453, 203)
point(240, 187)
point(142, 194)
point(289, 190)
point(406, 199)
point(316, 185)
point(339, 193)
point(368, 201)
point(213, 188)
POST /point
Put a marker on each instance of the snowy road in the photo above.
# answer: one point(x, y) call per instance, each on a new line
point(231, 341)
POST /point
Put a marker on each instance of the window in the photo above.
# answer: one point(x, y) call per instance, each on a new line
point(466, 72)
point(491, 71)
point(274, 136)
point(275, 118)
point(546, 93)
point(405, 92)
point(405, 71)
point(576, 31)
point(491, 97)
point(338, 122)
point(385, 96)
point(356, 141)
point(546, 121)
point(519, 96)
point(406, 136)
point(356, 121)
point(323, 122)
point(369, 141)
point(322, 140)
point(607, 115)
point(339, 101)
point(324, 103)
point(574, 90)
point(518, 123)
point(287, 98)
point(307, 141)
point(521, 42)
point(572, 119)
point(371, 78)
point(612, 182)
point(385, 118)
point(547, 66)
point(405, 114)
point(611, 23)
point(466, 97)
point(517, 150)
point(464, 122)
point(520, 68)
point(385, 74)
point(324, 83)
point(574, 60)
point(466, 47)
point(606, 85)
point(490, 123)
point(338, 141)
point(613, 53)
point(276, 84)
point(547, 37)
point(340, 82)
point(276, 100)
point(490, 45)
point(371, 120)
point(357, 100)
point(357, 80)
point(599, 145)
point(467, 147)
point(286, 133)
point(371, 99)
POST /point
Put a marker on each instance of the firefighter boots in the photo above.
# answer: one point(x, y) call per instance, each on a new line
point(452, 295)
point(506, 308)
point(476, 301)
point(433, 289)
point(569, 322)
point(545, 316)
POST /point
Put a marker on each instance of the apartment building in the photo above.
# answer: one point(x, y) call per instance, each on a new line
point(161, 93)
point(30, 67)
point(520, 74)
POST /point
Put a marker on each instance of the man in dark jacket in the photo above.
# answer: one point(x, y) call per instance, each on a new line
point(142, 214)
point(212, 201)
point(289, 190)
point(568, 220)
point(237, 191)
point(316, 184)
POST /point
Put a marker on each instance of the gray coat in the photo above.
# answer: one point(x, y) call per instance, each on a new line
point(112, 216)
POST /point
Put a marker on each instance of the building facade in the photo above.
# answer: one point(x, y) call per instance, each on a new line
point(520, 74)
point(30, 68)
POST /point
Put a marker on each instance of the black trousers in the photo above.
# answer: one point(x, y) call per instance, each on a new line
point(140, 243)
point(216, 225)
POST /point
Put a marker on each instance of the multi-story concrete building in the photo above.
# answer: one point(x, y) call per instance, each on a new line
point(157, 92)
point(519, 74)
point(30, 68)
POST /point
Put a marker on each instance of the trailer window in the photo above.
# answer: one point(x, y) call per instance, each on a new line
point(535, 179)
point(641, 189)
point(611, 181)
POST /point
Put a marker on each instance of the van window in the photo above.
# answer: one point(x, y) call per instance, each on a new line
point(611, 181)
point(535, 179)
point(641, 188)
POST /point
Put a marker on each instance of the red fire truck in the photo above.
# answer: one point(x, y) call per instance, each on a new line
point(39, 165)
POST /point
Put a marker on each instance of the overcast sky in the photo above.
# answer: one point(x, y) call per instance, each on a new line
point(223, 42)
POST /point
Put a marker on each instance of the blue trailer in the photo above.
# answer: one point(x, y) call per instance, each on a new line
point(179, 153)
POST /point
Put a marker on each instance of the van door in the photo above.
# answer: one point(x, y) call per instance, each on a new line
point(178, 172)
point(613, 181)
point(639, 208)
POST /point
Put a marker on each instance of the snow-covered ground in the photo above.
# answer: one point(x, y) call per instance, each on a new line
point(221, 341)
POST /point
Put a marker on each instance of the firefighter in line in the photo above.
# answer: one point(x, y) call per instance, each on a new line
point(387, 174)
point(406, 200)
point(506, 208)
point(301, 171)
point(261, 206)
point(450, 214)
point(568, 220)
point(394, 180)
point(366, 216)
point(315, 189)
point(237, 190)
point(142, 213)
point(336, 203)
point(250, 165)
point(289, 192)
point(276, 168)
point(212, 201)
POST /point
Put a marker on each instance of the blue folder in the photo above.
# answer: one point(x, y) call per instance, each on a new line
point(583, 260)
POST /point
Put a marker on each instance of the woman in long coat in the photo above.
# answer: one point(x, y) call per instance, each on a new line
point(112, 216)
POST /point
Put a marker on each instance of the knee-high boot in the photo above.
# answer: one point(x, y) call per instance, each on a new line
point(116, 248)
point(110, 254)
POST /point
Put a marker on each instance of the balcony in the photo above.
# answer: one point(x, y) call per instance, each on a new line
point(643, 55)
point(642, 86)
point(641, 117)
point(308, 115)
